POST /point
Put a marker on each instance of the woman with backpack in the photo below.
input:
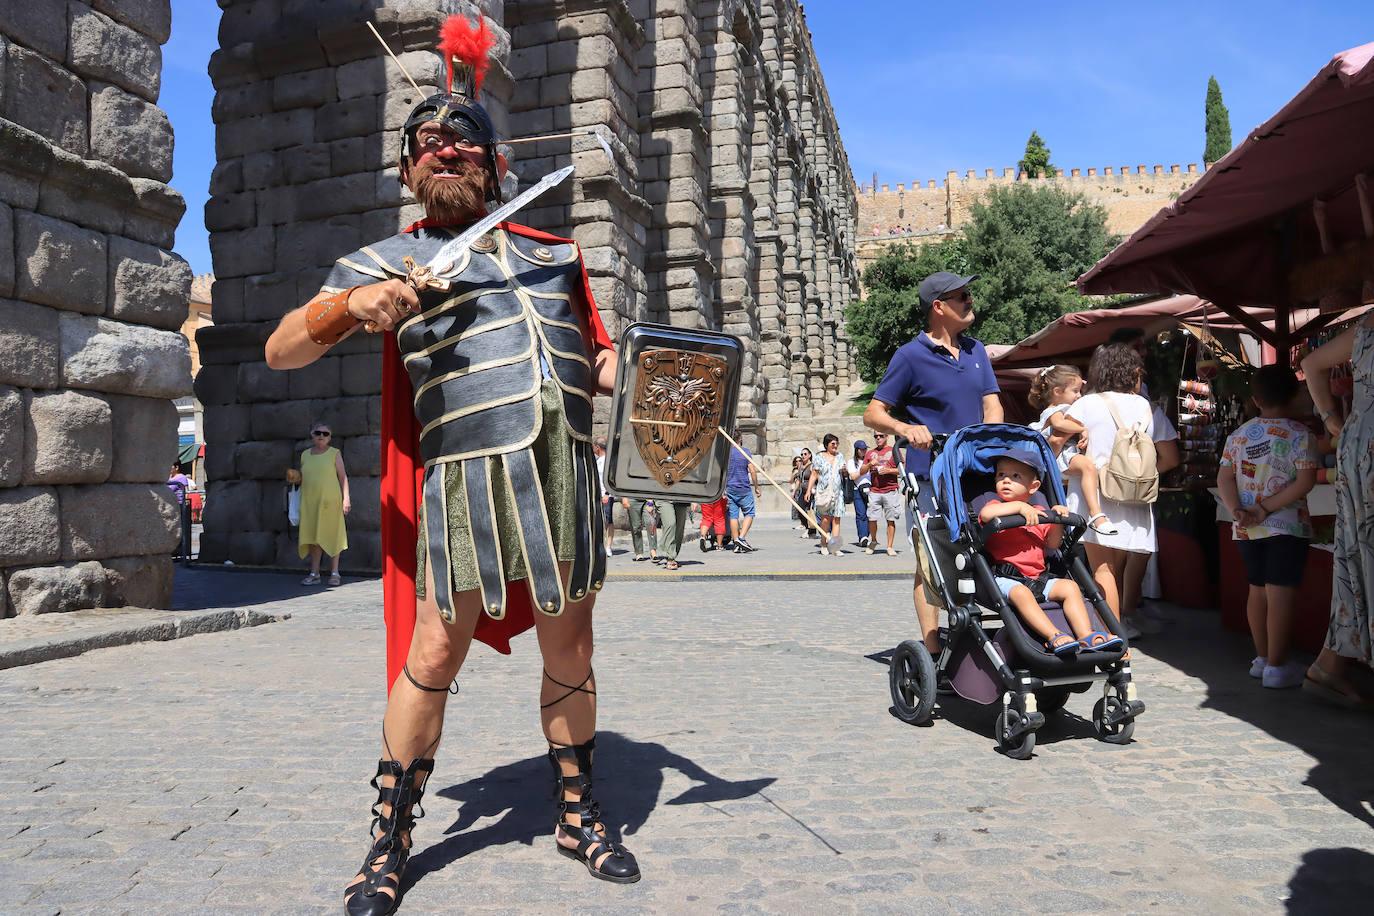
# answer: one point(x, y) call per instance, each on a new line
point(1119, 429)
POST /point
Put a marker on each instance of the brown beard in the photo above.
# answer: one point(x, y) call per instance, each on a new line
point(452, 200)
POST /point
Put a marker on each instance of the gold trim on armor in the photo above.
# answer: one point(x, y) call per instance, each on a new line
point(496, 325)
point(449, 303)
point(478, 408)
point(497, 449)
point(554, 350)
point(367, 250)
point(361, 268)
point(477, 367)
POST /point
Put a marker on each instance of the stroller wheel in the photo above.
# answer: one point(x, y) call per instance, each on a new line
point(1015, 746)
point(1107, 721)
point(1051, 699)
point(911, 677)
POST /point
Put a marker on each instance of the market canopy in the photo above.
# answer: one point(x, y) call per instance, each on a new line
point(1286, 218)
point(1072, 337)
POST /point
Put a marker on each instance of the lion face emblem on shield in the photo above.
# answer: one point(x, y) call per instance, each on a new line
point(676, 410)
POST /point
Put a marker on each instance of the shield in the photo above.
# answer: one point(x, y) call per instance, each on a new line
point(676, 410)
point(675, 389)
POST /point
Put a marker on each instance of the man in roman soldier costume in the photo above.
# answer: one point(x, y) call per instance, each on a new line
point(490, 496)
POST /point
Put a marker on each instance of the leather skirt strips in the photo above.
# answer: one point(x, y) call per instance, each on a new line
point(498, 519)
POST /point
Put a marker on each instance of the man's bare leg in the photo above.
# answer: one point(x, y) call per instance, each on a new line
point(567, 701)
point(414, 717)
point(929, 617)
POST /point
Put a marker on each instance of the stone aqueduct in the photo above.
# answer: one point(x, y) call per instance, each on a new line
point(729, 204)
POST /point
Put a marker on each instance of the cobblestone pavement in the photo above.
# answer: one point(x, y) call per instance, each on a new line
point(748, 757)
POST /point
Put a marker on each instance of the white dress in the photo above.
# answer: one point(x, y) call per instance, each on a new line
point(1135, 524)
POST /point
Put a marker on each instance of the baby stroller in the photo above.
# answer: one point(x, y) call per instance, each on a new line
point(987, 653)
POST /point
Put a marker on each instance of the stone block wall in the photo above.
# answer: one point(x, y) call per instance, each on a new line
point(727, 203)
point(90, 301)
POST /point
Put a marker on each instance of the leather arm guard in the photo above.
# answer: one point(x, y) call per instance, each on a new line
point(327, 320)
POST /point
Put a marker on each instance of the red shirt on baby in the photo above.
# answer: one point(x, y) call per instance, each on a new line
point(1022, 547)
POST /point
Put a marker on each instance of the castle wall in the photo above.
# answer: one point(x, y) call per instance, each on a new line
point(727, 204)
point(91, 300)
point(1130, 195)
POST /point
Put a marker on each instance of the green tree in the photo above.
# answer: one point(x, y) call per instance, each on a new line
point(889, 315)
point(1027, 244)
point(1036, 160)
point(1218, 124)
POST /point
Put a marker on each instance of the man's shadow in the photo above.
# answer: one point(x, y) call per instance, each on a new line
point(627, 780)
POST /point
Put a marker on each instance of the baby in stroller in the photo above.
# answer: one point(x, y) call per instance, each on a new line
point(1019, 554)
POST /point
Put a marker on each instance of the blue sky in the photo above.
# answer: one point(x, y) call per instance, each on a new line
point(920, 88)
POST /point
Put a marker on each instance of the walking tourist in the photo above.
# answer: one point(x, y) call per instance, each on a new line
point(1114, 375)
point(324, 503)
point(825, 492)
point(884, 500)
point(936, 384)
point(1350, 635)
point(860, 481)
point(802, 479)
point(741, 495)
point(641, 513)
point(1267, 469)
point(507, 540)
point(671, 524)
point(712, 528)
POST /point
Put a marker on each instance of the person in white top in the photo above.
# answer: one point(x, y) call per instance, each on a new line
point(853, 468)
point(1054, 390)
point(1114, 376)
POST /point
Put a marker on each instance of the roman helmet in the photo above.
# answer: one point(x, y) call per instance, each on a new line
point(465, 48)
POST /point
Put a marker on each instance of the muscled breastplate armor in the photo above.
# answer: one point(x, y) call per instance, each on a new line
point(478, 353)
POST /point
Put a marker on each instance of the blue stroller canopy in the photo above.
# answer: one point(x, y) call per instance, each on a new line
point(967, 451)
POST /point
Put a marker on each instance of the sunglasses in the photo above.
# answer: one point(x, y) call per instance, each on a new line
point(320, 432)
point(965, 296)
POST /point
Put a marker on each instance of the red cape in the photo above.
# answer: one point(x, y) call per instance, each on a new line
point(403, 484)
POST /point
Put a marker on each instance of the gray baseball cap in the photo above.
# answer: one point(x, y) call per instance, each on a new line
point(937, 284)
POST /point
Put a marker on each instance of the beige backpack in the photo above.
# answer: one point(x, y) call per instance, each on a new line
point(1132, 474)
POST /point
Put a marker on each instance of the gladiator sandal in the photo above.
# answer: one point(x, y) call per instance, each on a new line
point(604, 859)
point(377, 889)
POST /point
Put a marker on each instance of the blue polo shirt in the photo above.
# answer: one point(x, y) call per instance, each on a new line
point(927, 386)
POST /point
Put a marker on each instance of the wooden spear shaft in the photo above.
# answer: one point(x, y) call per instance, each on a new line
point(781, 489)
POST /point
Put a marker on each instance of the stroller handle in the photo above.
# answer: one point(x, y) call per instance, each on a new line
point(1006, 522)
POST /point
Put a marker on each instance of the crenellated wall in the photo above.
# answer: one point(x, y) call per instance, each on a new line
point(1130, 194)
point(728, 204)
point(91, 300)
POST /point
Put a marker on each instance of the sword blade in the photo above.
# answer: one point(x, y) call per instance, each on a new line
point(453, 249)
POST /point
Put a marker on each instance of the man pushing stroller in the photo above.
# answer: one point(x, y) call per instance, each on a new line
point(1021, 572)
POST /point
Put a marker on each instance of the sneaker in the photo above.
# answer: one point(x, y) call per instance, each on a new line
point(863, 542)
point(1130, 630)
point(704, 544)
point(741, 542)
point(869, 551)
point(739, 548)
point(1257, 666)
point(1282, 677)
point(610, 552)
point(891, 552)
point(727, 544)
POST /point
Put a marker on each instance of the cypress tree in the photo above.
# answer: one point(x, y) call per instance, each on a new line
point(1036, 161)
point(1218, 124)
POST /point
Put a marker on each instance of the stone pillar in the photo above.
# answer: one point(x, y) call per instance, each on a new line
point(307, 112)
point(91, 300)
point(575, 68)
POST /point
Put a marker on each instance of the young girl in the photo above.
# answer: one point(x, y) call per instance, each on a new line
point(1053, 392)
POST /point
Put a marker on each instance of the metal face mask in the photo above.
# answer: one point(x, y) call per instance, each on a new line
point(462, 115)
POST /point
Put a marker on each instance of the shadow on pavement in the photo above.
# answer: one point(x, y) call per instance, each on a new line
point(1332, 881)
point(196, 588)
point(629, 775)
point(1337, 740)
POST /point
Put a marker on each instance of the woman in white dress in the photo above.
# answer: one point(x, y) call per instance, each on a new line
point(1114, 376)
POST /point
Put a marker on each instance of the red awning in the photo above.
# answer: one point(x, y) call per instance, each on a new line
point(1235, 235)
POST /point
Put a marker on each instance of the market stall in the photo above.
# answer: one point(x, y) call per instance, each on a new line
point(1285, 221)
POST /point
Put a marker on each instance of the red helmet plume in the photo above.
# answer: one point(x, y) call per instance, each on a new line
point(469, 46)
